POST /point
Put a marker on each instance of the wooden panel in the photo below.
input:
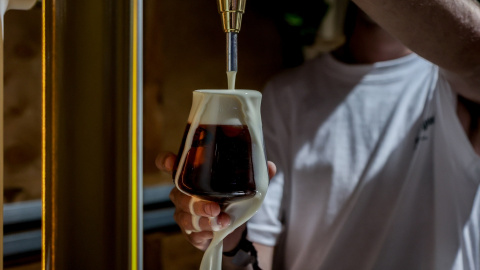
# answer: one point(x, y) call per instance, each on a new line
point(170, 251)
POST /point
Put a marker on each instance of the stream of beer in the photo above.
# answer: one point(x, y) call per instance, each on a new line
point(231, 75)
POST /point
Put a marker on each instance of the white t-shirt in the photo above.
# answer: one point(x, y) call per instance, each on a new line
point(374, 170)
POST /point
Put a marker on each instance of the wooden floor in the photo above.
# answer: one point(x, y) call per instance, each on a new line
point(167, 251)
point(163, 251)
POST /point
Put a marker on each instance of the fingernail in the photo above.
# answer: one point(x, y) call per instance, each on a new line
point(223, 221)
point(208, 209)
point(211, 210)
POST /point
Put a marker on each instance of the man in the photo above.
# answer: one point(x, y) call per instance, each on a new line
point(377, 150)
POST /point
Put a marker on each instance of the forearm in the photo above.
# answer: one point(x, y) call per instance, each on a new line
point(445, 32)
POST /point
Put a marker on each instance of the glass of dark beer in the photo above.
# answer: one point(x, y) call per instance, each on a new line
point(222, 157)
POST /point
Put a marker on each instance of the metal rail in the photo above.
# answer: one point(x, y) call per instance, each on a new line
point(20, 242)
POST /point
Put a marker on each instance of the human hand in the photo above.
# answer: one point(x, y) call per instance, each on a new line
point(208, 214)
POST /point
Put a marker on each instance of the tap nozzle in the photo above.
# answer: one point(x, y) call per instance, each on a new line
point(231, 12)
point(232, 51)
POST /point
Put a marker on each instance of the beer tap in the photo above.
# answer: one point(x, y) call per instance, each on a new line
point(231, 12)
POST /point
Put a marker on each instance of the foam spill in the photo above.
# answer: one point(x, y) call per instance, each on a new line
point(195, 218)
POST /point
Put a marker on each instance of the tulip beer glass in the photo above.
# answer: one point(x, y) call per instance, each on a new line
point(222, 158)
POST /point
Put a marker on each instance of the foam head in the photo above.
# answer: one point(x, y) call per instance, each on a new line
point(225, 107)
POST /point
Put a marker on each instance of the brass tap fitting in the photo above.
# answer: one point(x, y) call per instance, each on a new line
point(231, 12)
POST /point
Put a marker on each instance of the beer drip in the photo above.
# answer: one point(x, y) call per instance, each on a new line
point(231, 12)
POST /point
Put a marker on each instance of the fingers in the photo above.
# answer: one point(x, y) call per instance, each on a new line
point(200, 234)
point(165, 161)
point(200, 240)
point(200, 208)
point(197, 218)
point(185, 221)
point(272, 169)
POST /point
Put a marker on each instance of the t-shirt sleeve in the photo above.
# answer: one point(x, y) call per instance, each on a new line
point(265, 226)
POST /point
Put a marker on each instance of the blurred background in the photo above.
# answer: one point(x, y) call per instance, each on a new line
point(184, 50)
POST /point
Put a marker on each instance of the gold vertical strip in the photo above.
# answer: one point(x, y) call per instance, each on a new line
point(44, 128)
point(49, 235)
point(134, 140)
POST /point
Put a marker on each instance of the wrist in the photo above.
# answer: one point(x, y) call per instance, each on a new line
point(234, 238)
point(244, 253)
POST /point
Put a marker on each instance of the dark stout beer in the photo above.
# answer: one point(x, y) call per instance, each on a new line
point(218, 167)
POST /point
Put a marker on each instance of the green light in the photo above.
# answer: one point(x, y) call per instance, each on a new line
point(293, 19)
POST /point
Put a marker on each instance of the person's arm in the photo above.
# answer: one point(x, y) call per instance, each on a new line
point(445, 32)
point(264, 261)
